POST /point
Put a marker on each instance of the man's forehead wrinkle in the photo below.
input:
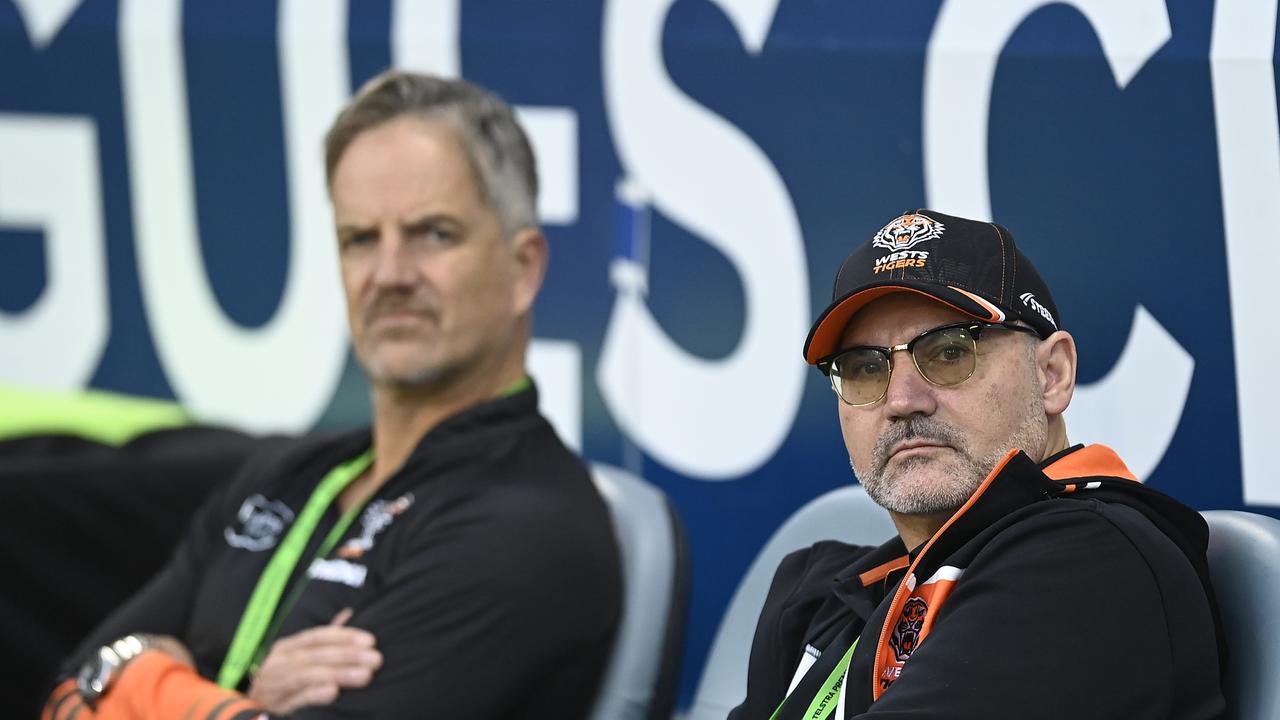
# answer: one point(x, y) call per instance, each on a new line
point(384, 189)
point(431, 200)
point(427, 211)
point(411, 219)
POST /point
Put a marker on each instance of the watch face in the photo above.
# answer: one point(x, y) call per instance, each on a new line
point(96, 674)
point(88, 671)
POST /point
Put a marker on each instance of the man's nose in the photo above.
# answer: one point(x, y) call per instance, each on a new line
point(392, 264)
point(908, 392)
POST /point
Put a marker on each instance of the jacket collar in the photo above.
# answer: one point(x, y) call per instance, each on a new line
point(1014, 483)
point(1081, 461)
point(861, 585)
point(470, 432)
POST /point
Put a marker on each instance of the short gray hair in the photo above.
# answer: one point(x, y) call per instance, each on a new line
point(497, 148)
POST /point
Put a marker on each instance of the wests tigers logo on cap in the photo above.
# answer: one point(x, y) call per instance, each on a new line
point(907, 231)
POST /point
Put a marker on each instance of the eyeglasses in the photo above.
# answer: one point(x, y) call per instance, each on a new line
point(945, 356)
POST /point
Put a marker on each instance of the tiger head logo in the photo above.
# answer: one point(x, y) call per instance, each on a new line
point(907, 231)
point(906, 634)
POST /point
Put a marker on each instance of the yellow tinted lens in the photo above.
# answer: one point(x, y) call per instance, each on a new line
point(946, 356)
point(860, 376)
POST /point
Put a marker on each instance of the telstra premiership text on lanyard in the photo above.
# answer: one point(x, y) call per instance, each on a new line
point(824, 702)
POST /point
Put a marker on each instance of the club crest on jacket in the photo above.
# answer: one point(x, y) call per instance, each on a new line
point(261, 523)
point(906, 634)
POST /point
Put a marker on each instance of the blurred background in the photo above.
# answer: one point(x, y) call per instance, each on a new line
point(706, 165)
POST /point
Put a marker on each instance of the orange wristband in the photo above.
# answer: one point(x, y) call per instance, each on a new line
point(155, 686)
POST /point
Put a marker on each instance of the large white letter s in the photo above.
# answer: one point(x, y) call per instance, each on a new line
point(707, 176)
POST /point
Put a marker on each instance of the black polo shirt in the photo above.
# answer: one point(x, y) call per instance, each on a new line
point(486, 568)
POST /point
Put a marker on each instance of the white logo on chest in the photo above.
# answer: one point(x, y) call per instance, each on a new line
point(262, 522)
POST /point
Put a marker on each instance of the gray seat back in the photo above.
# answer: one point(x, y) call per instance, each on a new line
point(846, 514)
point(1244, 563)
point(640, 682)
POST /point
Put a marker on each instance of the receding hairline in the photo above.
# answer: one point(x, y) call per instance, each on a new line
point(428, 121)
point(497, 148)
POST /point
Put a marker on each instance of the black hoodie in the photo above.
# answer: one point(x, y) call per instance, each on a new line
point(1065, 590)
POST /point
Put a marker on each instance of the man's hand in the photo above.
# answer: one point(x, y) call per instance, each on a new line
point(311, 667)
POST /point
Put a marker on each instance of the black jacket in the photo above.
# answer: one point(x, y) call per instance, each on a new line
point(486, 568)
point(1061, 591)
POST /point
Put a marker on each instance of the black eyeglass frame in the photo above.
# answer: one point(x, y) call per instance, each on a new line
point(973, 327)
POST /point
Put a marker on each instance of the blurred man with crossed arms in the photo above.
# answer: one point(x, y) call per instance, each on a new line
point(452, 561)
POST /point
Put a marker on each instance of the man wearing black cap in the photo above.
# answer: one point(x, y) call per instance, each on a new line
point(1030, 578)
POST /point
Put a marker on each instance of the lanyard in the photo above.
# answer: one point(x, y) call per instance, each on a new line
point(335, 534)
point(516, 386)
point(251, 633)
point(824, 702)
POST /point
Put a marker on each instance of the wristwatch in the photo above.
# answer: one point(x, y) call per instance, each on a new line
point(97, 675)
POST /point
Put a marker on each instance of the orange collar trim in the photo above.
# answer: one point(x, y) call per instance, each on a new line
point(880, 572)
point(1089, 461)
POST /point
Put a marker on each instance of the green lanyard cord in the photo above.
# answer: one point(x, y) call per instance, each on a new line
point(823, 702)
point(516, 386)
point(282, 612)
point(251, 638)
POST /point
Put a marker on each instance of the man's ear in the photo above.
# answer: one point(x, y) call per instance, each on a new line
point(1056, 363)
point(530, 251)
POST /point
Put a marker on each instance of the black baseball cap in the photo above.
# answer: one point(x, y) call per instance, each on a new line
point(971, 266)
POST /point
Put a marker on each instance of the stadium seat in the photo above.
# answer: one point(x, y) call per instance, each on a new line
point(640, 682)
point(1244, 562)
point(845, 514)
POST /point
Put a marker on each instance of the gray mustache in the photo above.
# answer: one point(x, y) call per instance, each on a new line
point(914, 427)
point(397, 302)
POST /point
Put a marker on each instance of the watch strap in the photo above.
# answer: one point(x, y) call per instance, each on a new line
point(102, 670)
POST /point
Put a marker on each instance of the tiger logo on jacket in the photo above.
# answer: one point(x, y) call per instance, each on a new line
point(906, 634)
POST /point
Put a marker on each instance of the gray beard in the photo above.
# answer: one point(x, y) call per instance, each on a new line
point(405, 381)
point(896, 492)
